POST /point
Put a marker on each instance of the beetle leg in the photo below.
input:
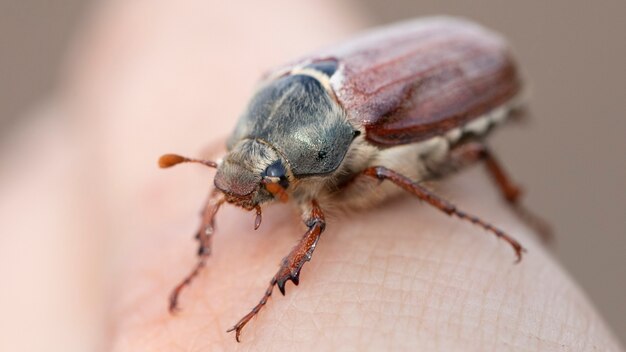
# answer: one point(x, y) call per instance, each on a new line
point(382, 173)
point(204, 234)
point(291, 264)
point(475, 151)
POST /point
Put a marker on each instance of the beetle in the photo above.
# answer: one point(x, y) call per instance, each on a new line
point(405, 103)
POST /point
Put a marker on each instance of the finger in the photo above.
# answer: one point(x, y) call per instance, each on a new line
point(395, 277)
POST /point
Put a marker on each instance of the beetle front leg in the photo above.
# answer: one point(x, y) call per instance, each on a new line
point(382, 173)
point(291, 264)
point(204, 234)
point(472, 152)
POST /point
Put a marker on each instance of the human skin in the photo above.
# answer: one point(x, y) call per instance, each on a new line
point(400, 276)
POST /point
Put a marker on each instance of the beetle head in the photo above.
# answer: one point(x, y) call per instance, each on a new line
point(252, 173)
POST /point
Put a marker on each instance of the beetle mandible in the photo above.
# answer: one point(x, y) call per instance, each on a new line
point(404, 103)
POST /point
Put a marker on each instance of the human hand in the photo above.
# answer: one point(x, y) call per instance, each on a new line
point(401, 276)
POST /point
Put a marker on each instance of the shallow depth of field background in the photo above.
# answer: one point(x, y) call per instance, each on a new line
point(570, 157)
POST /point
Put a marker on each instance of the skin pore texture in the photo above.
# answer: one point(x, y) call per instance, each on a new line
point(400, 276)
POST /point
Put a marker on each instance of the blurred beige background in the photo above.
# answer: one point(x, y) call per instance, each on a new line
point(570, 157)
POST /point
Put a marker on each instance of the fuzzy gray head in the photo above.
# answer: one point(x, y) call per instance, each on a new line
point(298, 118)
point(241, 173)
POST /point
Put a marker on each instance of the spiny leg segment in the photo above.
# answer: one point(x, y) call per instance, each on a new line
point(291, 264)
point(424, 194)
point(204, 236)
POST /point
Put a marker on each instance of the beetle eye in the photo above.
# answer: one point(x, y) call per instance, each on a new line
point(277, 170)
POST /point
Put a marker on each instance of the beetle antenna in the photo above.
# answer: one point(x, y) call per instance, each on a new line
point(169, 160)
point(275, 189)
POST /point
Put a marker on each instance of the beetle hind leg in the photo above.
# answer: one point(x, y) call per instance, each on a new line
point(382, 173)
point(471, 152)
point(290, 266)
point(203, 236)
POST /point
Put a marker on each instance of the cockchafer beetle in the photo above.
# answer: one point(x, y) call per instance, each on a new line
point(404, 103)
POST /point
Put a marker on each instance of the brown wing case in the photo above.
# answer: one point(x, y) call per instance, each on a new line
point(418, 79)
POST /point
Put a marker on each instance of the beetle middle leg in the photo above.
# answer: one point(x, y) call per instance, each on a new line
point(291, 264)
point(204, 234)
point(472, 152)
point(382, 173)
